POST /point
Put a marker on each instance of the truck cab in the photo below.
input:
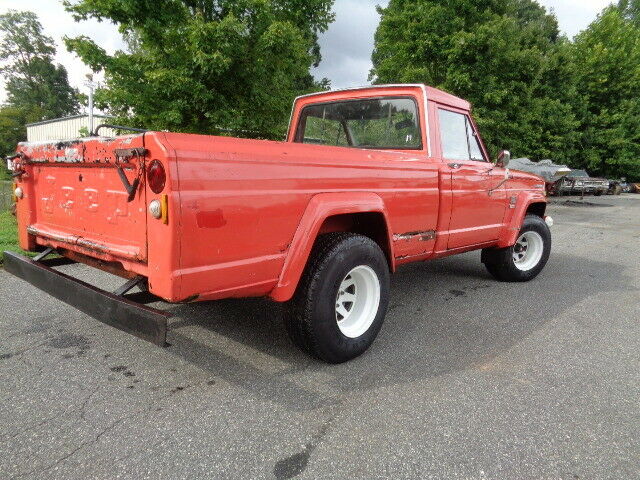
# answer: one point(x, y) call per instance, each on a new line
point(437, 130)
point(368, 179)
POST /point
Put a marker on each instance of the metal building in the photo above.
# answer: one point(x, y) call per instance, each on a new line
point(65, 128)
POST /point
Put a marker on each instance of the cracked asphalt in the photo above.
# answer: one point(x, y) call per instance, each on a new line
point(469, 379)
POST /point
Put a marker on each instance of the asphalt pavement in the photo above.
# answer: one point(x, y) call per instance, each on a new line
point(470, 378)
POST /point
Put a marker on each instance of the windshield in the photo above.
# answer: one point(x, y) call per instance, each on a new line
point(381, 123)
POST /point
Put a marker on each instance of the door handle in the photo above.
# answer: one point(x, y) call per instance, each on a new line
point(455, 165)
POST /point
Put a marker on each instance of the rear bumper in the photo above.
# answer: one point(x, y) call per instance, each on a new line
point(118, 311)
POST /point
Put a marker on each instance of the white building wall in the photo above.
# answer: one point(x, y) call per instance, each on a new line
point(65, 128)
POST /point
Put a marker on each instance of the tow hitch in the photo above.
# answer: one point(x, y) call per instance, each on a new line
point(119, 309)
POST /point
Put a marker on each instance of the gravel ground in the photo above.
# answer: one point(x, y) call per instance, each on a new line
point(469, 379)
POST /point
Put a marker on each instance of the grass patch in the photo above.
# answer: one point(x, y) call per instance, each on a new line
point(9, 234)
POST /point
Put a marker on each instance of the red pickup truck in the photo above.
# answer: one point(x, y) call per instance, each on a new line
point(368, 179)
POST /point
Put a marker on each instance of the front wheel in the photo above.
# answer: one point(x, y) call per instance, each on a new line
point(525, 259)
point(341, 301)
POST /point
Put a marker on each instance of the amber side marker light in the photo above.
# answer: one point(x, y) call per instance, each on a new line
point(164, 209)
point(156, 176)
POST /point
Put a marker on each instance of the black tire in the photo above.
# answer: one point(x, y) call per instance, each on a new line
point(597, 193)
point(310, 316)
point(500, 262)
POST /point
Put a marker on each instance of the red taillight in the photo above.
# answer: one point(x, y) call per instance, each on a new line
point(156, 176)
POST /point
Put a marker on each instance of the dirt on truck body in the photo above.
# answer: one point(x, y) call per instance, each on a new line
point(367, 180)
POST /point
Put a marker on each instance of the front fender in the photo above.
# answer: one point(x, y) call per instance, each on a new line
point(515, 215)
point(319, 208)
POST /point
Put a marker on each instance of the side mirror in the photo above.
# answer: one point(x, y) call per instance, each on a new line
point(504, 157)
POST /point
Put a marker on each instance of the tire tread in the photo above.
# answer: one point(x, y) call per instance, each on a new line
point(298, 312)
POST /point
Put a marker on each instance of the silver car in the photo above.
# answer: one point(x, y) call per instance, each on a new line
point(579, 181)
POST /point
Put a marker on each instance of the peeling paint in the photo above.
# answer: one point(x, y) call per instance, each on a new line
point(420, 235)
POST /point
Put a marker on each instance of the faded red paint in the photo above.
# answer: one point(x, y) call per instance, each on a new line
point(244, 214)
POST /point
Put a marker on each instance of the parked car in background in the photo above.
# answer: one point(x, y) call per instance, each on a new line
point(579, 181)
point(616, 187)
point(549, 171)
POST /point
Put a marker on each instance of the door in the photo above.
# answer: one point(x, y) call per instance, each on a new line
point(478, 199)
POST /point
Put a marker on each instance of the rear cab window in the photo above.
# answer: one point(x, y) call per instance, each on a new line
point(458, 137)
point(376, 123)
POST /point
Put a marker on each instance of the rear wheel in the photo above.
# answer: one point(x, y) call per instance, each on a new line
point(340, 303)
point(525, 259)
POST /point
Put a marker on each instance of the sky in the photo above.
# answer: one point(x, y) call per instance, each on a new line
point(345, 47)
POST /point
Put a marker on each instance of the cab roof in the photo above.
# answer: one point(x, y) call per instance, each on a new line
point(431, 93)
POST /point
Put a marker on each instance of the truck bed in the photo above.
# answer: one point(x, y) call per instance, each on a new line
point(234, 205)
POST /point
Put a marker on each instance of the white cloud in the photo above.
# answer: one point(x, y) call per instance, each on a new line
point(575, 15)
point(58, 23)
point(346, 46)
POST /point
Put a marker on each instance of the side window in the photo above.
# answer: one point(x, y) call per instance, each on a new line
point(458, 139)
point(453, 135)
point(475, 152)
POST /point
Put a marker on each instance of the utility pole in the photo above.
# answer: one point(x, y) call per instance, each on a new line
point(91, 85)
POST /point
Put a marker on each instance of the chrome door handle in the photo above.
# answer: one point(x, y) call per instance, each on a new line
point(455, 165)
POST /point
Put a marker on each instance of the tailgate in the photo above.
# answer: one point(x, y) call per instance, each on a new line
point(87, 194)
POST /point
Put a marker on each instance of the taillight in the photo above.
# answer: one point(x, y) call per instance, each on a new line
point(156, 176)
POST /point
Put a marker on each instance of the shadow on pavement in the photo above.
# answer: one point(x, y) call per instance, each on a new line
point(446, 315)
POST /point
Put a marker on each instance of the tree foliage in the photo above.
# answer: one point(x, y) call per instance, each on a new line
point(534, 92)
point(607, 60)
point(33, 81)
point(506, 57)
point(206, 66)
point(630, 10)
point(12, 130)
point(37, 89)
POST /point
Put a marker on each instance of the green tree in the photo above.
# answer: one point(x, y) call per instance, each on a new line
point(607, 59)
point(12, 129)
point(34, 84)
point(206, 66)
point(630, 9)
point(506, 57)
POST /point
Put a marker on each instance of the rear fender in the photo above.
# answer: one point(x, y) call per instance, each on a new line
point(321, 207)
point(518, 207)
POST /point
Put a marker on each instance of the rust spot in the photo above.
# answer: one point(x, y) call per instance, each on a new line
point(210, 219)
point(420, 235)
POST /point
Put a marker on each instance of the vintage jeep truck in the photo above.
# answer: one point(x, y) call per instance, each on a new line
point(367, 180)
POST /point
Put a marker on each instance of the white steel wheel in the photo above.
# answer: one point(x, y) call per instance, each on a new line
point(528, 250)
point(357, 301)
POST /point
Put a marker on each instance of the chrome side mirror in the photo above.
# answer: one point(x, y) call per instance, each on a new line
point(504, 157)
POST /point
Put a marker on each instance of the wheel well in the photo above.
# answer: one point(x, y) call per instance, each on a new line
point(537, 209)
point(369, 224)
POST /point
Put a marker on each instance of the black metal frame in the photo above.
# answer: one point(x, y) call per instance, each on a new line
point(115, 309)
